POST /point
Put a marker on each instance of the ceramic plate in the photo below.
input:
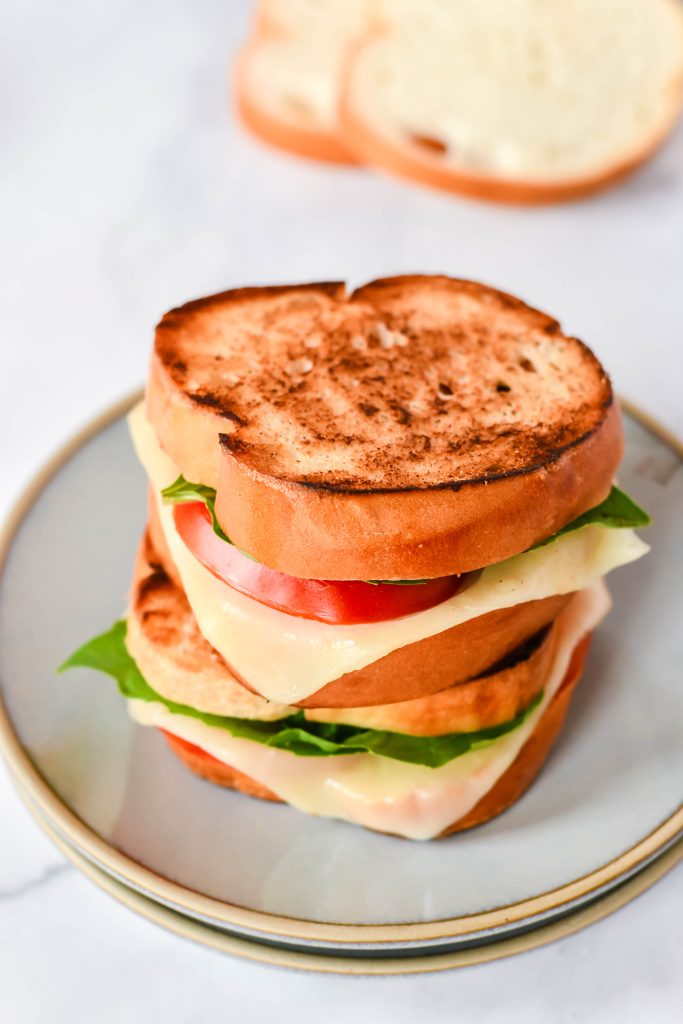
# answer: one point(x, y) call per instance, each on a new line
point(608, 802)
point(216, 938)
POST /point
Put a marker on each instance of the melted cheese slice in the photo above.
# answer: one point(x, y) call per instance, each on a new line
point(286, 659)
point(392, 796)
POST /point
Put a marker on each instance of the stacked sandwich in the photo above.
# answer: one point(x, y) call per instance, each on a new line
point(514, 100)
point(379, 524)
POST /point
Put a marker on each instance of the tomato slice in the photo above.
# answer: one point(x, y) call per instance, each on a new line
point(342, 602)
point(188, 747)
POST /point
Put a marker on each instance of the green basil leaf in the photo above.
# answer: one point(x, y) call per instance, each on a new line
point(617, 512)
point(181, 492)
point(397, 583)
point(108, 653)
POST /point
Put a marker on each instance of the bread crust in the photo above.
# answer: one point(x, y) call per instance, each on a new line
point(491, 699)
point(533, 755)
point(522, 486)
point(509, 788)
point(415, 671)
point(308, 142)
point(419, 166)
point(439, 662)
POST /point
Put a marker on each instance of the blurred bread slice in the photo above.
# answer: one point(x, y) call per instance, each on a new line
point(287, 75)
point(515, 100)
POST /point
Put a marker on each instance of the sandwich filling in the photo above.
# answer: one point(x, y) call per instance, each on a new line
point(391, 795)
point(412, 786)
point(287, 659)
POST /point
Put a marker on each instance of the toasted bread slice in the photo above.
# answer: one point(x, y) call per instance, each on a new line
point(493, 698)
point(408, 673)
point(417, 427)
point(513, 101)
point(509, 788)
point(287, 76)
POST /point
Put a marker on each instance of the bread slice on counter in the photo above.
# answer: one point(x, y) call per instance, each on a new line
point(514, 100)
point(287, 76)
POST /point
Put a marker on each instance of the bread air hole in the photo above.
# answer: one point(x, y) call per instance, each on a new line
point(527, 365)
point(437, 147)
point(502, 388)
point(298, 106)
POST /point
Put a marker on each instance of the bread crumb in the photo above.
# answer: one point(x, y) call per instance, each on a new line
point(388, 338)
point(301, 365)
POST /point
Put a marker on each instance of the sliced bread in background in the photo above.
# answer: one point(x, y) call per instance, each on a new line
point(514, 100)
point(288, 74)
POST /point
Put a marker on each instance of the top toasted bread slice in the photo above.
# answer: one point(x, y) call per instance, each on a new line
point(415, 427)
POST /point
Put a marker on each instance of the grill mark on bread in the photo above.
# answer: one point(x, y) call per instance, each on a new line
point(232, 444)
point(214, 402)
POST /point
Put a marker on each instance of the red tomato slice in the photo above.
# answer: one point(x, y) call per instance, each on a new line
point(337, 601)
point(190, 748)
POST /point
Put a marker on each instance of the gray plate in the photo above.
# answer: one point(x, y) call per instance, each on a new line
point(608, 802)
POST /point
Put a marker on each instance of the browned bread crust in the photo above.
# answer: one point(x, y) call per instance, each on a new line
point(440, 661)
point(311, 142)
point(509, 788)
point(493, 698)
point(418, 427)
point(533, 755)
point(414, 671)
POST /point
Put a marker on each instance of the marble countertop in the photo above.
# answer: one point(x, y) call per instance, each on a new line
point(126, 188)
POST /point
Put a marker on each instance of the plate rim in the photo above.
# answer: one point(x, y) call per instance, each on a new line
point(206, 908)
point(335, 963)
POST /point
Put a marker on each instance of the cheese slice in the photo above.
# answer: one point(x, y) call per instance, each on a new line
point(286, 659)
point(392, 796)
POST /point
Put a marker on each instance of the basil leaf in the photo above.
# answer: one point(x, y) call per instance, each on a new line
point(617, 512)
point(108, 653)
point(396, 583)
point(181, 492)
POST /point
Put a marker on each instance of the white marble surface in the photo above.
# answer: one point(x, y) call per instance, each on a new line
point(125, 188)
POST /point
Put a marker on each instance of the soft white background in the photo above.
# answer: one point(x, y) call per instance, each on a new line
point(126, 188)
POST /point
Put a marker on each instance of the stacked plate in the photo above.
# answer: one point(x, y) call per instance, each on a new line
point(263, 881)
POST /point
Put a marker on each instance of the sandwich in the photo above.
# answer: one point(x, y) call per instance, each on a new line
point(378, 528)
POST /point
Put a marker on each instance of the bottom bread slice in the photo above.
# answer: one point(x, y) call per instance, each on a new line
point(506, 791)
